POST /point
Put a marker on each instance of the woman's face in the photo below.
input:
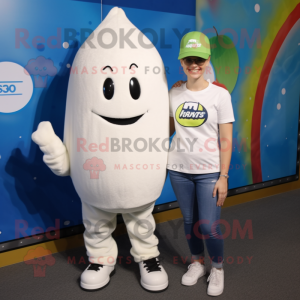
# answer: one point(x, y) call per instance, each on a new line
point(192, 68)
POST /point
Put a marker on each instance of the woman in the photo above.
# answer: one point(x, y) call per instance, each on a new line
point(198, 166)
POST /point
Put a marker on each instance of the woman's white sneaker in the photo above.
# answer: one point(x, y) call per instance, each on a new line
point(216, 282)
point(195, 271)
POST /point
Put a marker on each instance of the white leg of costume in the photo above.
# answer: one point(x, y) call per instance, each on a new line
point(99, 225)
point(140, 227)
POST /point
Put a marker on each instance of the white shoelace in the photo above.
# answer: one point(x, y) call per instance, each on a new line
point(214, 276)
point(192, 269)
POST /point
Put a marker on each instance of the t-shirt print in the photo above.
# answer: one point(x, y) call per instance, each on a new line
point(191, 114)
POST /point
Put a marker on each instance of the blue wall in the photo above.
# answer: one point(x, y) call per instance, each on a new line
point(30, 194)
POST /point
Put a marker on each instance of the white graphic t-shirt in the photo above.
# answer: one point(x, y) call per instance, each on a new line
point(195, 148)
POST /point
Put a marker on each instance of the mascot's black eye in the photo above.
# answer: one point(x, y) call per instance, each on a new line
point(108, 88)
point(135, 89)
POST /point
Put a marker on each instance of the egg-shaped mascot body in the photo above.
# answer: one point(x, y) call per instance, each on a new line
point(115, 145)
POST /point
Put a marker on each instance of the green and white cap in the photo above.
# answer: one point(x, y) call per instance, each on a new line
point(194, 43)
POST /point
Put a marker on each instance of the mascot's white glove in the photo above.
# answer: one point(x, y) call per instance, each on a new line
point(55, 152)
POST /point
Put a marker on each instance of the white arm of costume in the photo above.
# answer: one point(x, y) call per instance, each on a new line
point(55, 152)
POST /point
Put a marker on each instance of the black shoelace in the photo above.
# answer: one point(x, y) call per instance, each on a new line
point(152, 265)
point(95, 267)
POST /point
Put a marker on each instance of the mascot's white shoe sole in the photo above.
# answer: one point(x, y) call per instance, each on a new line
point(155, 288)
point(153, 276)
point(96, 276)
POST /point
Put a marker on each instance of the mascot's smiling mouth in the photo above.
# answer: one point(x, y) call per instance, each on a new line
point(116, 121)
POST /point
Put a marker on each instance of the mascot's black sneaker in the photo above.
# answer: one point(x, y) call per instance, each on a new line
point(153, 275)
point(95, 276)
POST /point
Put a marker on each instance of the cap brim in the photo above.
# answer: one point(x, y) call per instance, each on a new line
point(192, 53)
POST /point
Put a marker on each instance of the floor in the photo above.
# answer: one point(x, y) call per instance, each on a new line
point(260, 263)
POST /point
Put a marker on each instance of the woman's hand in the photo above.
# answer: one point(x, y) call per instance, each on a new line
point(178, 83)
point(222, 187)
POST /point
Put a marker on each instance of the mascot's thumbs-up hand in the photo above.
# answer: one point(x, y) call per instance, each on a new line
point(55, 153)
point(44, 136)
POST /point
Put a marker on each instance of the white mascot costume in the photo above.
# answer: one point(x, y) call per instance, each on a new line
point(116, 140)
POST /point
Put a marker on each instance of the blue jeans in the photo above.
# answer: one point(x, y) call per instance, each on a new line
point(200, 212)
